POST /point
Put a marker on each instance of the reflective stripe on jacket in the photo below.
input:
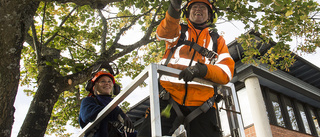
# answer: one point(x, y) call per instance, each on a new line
point(221, 72)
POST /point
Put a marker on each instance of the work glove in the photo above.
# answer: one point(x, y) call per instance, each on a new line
point(174, 8)
point(176, 4)
point(199, 70)
point(127, 123)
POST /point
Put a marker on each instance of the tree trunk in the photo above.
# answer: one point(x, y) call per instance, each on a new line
point(40, 109)
point(15, 18)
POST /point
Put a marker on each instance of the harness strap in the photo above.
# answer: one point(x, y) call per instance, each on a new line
point(181, 39)
point(202, 109)
point(180, 117)
point(214, 36)
point(211, 55)
point(203, 51)
point(185, 120)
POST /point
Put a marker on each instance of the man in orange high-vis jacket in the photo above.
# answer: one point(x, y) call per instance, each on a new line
point(183, 91)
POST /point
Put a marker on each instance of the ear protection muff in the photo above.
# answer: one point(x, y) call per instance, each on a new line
point(116, 89)
point(89, 86)
point(214, 17)
point(214, 14)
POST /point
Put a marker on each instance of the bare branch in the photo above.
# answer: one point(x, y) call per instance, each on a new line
point(104, 32)
point(314, 16)
point(35, 43)
point(63, 21)
point(120, 17)
point(77, 44)
point(144, 40)
point(153, 23)
point(129, 48)
point(70, 53)
point(81, 76)
point(42, 28)
point(94, 4)
point(131, 24)
point(112, 49)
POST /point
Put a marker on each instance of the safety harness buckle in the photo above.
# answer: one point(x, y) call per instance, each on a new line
point(207, 105)
point(214, 56)
point(207, 53)
point(165, 95)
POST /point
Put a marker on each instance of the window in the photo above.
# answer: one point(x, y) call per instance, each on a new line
point(291, 114)
point(315, 121)
point(277, 109)
point(304, 118)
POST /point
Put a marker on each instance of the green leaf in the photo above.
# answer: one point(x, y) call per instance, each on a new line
point(140, 22)
point(48, 63)
point(289, 12)
point(266, 2)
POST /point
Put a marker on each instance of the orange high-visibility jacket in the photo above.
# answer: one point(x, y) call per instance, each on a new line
point(221, 72)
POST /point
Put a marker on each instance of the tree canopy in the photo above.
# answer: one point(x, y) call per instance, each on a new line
point(60, 43)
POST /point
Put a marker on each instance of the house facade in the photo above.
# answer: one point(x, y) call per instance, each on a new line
point(277, 103)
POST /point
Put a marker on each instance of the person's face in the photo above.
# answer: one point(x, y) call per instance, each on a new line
point(103, 86)
point(198, 13)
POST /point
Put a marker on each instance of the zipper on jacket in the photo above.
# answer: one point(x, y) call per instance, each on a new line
point(194, 53)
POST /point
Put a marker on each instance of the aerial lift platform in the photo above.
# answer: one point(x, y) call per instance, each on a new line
point(229, 104)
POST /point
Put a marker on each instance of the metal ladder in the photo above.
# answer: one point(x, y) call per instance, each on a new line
point(228, 91)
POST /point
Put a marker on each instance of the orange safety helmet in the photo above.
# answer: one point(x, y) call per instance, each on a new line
point(102, 73)
point(90, 83)
point(203, 1)
point(213, 13)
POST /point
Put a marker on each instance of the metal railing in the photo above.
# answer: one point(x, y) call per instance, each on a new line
point(151, 72)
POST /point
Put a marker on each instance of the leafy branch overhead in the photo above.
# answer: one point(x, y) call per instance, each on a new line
point(66, 39)
point(291, 24)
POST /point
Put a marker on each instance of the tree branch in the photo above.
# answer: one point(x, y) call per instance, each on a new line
point(78, 44)
point(314, 15)
point(129, 48)
point(104, 32)
point(36, 45)
point(115, 45)
point(143, 41)
point(95, 4)
point(120, 17)
point(42, 27)
point(81, 76)
point(63, 21)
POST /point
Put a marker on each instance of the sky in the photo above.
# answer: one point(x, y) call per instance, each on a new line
point(228, 30)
